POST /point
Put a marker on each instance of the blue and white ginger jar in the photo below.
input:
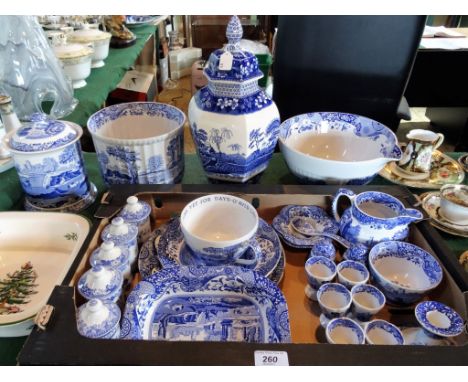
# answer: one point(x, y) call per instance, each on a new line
point(101, 282)
point(123, 235)
point(234, 123)
point(137, 212)
point(109, 255)
point(97, 319)
point(50, 165)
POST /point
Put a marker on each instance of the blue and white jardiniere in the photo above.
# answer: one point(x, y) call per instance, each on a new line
point(123, 235)
point(373, 217)
point(137, 212)
point(344, 331)
point(234, 123)
point(109, 255)
point(381, 332)
point(139, 143)
point(439, 320)
point(336, 148)
point(367, 302)
point(97, 319)
point(319, 270)
point(50, 166)
point(102, 283)
point(206, 304)
point(351, 273)
point(334, 300)
point(404, 272)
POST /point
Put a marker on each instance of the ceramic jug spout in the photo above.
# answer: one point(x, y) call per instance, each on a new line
point(410, 215)
point(394, 155)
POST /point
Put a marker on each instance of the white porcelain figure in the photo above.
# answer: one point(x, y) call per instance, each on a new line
point(50, 166)
point(76, 61)
point(234, 123)
point(100, 41)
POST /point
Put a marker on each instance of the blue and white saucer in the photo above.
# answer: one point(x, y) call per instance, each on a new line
point(316, 215)
point(439, 319)
point(148, 261)
point(171, 248)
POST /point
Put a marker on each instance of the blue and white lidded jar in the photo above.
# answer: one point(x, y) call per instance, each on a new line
point(137, 212)
point(234, 123)
point(100, 282)
point(49, 162)
point(109, 255)
point(97, 319)
point(123, 235)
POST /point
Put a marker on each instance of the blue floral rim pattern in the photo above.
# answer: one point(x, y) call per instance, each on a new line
point(281, 224)
point(347, 323)
point(103, 330)
point(205, 298)
point(356, 265)
point(393, 330)
point(456, 322)
point(370, 289)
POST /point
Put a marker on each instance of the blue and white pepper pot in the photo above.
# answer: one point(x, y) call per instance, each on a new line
point(97, 319)
point(234, 123)
point(50, 165)
point(100, 282)
point(123, 235)
point(137, 212)
point(109, 255)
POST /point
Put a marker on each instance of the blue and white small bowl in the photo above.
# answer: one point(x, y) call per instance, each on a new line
point(101, 283)
point(344, 331)
point(319, 270)
point(97, 319)
point(334, 300)
point(139, 143)
point(323, 246)
point(109, 255)
point(381, 332)
point(123, 235)
point(137, 212)
point(367, 301)
point(351, 273)
point(404, 272)
point(357, 252)
point(438, 319)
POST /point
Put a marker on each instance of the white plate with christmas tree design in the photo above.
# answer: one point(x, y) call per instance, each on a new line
point(36, 252)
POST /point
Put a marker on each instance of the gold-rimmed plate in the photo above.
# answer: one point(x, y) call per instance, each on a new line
point(444, 170)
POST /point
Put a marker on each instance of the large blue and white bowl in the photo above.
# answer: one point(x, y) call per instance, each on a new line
point(336, 148)
point(139, 143)
point(404, 272)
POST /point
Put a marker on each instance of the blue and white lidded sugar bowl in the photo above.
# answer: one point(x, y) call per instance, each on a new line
point(97, 319)
point(49, 162)
point(109, 255)
point(123, 235)
point(234, 123)
point(101, 282)
point(137, 212)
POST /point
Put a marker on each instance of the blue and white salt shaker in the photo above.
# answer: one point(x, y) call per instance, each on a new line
point(100, 282)
point(137, 212)
point(110, 255)
point(123, 235)
point(97, 319)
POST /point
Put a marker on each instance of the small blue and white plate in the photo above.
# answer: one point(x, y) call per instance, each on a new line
point(321, 220)
point(207, 304)
point(439, 319)
point(172, 250)
point(148, 261)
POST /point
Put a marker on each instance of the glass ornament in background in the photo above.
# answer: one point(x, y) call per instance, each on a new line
point(29, 71)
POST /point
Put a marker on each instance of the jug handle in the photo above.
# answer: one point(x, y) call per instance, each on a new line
point(439, 141)
point(341, 192)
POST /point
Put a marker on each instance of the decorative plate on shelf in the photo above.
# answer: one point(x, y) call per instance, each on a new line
point(444, 170)
point(207, 304)
point(431, 204)
point(171, 248)
point(318, 217)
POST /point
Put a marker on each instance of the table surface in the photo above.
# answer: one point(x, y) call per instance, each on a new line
point(11, 198)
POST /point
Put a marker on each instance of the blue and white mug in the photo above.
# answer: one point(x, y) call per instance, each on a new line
point(220, 229)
